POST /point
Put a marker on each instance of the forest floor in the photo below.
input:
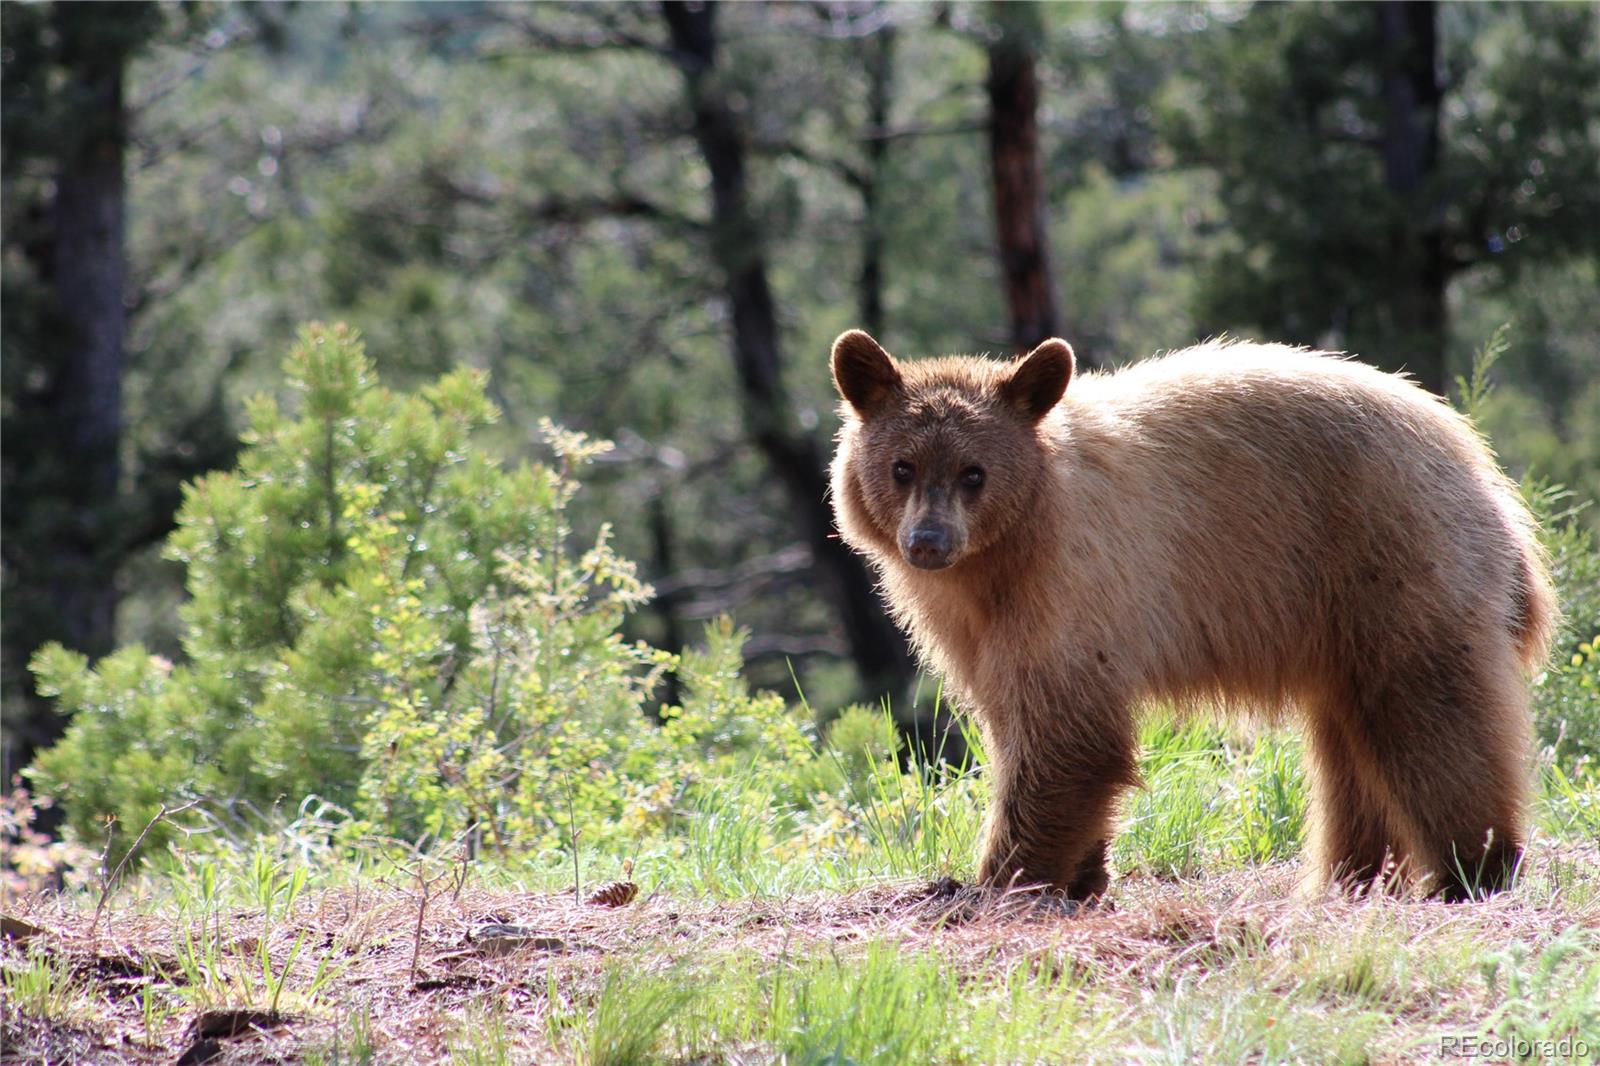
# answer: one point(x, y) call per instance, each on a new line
point(1233, 967)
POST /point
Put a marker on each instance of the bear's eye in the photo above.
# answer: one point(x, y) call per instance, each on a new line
point(972, 477)
point(902, 471)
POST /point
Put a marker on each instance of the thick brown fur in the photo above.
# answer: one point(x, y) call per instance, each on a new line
point(1230, 526)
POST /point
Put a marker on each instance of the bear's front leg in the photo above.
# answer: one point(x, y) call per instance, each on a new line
point(1054, 789)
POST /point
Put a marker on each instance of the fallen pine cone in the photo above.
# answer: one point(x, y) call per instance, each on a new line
point(613, 894)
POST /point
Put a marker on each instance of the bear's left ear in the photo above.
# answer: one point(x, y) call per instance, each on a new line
point(1040, 379)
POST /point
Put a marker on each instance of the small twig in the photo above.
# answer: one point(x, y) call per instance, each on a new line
point(572, 831)
point(417, 870)
point(425, 886)
point(105, 852)
point(106, 883)
point(461, 869)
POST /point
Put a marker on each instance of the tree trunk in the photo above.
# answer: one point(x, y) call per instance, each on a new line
point(879, 58)
point(876, 646)
point(88, 263)
point(64, 569)
point(666, 603)
point(1019, 207)
point(1411, 96)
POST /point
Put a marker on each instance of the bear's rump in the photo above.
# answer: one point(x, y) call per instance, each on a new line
point(1288, 542)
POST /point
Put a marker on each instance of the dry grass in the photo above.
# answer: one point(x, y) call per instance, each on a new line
point(542, 976)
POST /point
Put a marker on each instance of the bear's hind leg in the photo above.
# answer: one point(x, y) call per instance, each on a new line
point(1469, 815)
point(1353, 838)
point(1449, 738)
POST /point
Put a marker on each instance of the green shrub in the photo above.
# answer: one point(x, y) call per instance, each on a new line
point(1567, 693)
point(291, 563)
point(385, 618)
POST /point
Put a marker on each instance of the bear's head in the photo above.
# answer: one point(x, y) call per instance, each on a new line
point(939, 458)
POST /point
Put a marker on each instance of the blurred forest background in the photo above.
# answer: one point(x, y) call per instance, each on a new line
point(647, 222)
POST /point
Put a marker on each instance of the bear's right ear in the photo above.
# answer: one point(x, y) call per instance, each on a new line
point(864, 374)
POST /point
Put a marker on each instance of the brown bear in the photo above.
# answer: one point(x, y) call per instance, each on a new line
point(1236, 524)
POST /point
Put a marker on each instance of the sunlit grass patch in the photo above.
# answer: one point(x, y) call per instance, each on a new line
point(1212, 799)
point(875, 1003)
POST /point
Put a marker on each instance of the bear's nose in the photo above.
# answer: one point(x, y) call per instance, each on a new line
point(927, 547)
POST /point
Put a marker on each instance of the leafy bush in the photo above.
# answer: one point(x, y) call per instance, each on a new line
point(1567, 693)
point(384, 618)
point(30, 861)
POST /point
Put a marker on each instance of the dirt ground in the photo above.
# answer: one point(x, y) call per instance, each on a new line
point(415, 981)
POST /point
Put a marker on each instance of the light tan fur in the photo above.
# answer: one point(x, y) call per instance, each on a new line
point(1230, 526)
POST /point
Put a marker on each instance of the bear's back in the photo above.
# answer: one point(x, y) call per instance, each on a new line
point(1221, 423)
point(1312, 495)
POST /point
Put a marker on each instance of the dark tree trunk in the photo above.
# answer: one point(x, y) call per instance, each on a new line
point(666, 604)
point(1411, 97)
point(880, 86)
point(878, 649)
point(88, 262)
point(1019, 206)
point(64, 564)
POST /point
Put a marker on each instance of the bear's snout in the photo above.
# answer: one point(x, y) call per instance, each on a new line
point(927, 547)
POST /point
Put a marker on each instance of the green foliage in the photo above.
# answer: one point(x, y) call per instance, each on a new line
point(1474, 388)
point(1549, 996)
point(483, 1040)
point(1572, 801)
point(873, 1014)
point(546, 689)
point(1210, 799)
point(1338, 214)
point(548, 735)
point(43, 986)
point(386, 619)
point(629, 1018)
point(1567, 693)
point(1544, 415)
point(332, 578)
point(1270, 800)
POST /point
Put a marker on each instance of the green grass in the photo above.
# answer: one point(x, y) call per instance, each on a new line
point(765, 932)
point(878, 1005)
point(629, 1017)
point(42, 985)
